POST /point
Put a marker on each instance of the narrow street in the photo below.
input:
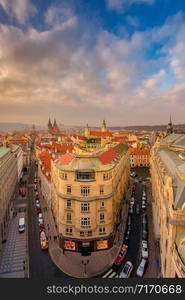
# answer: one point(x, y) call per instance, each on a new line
point(134, 242)
point(41, 265)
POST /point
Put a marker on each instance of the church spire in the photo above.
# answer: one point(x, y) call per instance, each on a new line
point(170, 126)
point(49, 124)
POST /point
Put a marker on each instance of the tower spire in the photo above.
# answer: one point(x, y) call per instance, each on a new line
point(170, 126)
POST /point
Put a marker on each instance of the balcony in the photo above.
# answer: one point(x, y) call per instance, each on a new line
point(85, 176)
point(180, 265)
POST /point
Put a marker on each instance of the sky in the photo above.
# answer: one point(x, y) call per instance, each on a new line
point(82, 61)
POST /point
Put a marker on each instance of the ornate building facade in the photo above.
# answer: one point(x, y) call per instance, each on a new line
point(88, 187)
point(8, 181)
point(168, 191)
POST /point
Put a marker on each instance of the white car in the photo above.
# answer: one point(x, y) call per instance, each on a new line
point(144, 198)
point(40, 219)
point(144, 250)
point(142, 268)
point(143, 205)
point(132, 201)
point(131, 210)
point(127, 269)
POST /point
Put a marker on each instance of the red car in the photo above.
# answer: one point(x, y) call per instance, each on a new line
point(134, 188)
point(42, 228)
point(121, 255)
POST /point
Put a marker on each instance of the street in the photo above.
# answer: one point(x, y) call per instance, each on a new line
point(134, 242)
point(40, 263)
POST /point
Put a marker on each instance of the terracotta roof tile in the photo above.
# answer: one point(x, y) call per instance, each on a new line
point(66, 158)
point(108, 156)
point(101, 133)
point(135, 151)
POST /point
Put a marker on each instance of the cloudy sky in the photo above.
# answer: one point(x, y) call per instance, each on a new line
point(84, 61)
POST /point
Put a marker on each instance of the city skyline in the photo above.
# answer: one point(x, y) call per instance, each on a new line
point(122, 61)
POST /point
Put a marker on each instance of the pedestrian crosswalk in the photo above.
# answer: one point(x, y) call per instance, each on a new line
point(13, 254)
point(110, 274)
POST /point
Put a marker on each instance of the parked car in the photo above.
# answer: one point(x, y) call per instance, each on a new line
point(131, 209)
point(129, 222)
point(133, 174)
point(143, 198)
point(143, 205)
point(35, 188)
point(132, 200)
point(144, 233)
point(128, 232)
point(38, 210)
point(137, 209)
point(141, 268)
point(43, 240)
point(127, 269)
point(144, 249)
point(37, 202)
point(42, 228)
point(134, 187)
point(140, 179)
point(40, 219)
point(21, 225)
point(121, 255)
point(144, 219)
point(132, 194)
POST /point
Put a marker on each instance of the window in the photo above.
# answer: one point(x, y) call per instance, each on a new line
point(64, 176)
point(69, 230)
point(85, 207)
point(82, 233)
point(68, 218)
point(89, 233)
point(101, 189)
point(68, 203)
point(85, 190)
point(102, 230)
point(85, 222)
point(85, 176)
point(68, 189)
point(105, 176)
point(102, 218)
point(102, 204)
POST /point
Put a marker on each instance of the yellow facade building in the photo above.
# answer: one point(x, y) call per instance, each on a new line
point(168, 191)
point(8, 181)
point(88, 188)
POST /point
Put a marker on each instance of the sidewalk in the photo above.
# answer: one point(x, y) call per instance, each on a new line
point(152, 270)
point(71, 263)
point(13, 253)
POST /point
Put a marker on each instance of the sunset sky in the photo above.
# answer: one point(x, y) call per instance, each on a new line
point(84, 61)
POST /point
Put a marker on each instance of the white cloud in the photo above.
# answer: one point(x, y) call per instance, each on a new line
point(81, 77)
point(120, 5)
point(22, 10)
point(154, 81)
point(57, 15)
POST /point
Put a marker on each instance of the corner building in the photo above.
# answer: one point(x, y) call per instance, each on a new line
point(88, 188)
point(168, 191)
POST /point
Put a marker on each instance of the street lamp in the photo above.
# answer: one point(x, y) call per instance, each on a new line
point(85, 263)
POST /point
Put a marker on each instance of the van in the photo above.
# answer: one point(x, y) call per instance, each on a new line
point(21, 224)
